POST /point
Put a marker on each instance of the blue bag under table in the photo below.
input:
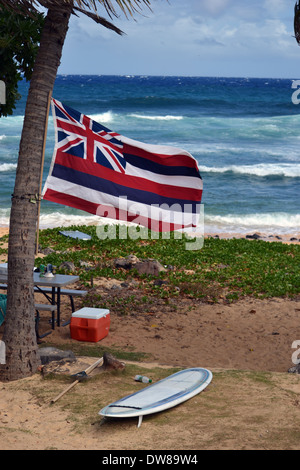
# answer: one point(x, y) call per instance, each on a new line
point(3, 300)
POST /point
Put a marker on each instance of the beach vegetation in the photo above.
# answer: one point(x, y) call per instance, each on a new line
point(224, 270)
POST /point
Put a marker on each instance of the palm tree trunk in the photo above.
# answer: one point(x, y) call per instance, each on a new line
point(22, 358)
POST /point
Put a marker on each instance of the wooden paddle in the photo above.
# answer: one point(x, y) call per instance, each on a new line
point(86, 371)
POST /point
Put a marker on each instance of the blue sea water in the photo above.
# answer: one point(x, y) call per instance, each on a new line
point(244, 133)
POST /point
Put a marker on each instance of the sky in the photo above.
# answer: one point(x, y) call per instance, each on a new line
point(220, 38)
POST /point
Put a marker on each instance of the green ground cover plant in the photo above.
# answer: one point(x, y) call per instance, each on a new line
point(222, 270)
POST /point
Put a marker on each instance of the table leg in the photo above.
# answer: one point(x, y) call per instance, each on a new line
point(53, 303)
point(58, 306)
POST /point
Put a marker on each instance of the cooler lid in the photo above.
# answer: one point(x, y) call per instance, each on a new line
point(91, 313)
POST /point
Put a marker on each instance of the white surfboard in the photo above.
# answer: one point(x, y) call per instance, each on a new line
point(161, 395)
point(75, 234)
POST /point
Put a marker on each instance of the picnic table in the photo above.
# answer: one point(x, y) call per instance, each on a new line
point(49, 285)
point(55, 283)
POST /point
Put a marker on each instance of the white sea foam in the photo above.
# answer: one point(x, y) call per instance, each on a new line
point(4, 217)
point(262, 169)
point(270, 224)
point(108, 116)
point(56, 219)
point(7, 167)
point(60, 219)
point(11, 121)
point(157, 118)
point(276, 223)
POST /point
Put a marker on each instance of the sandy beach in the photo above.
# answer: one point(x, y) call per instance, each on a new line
point(3, 231)
point(284, 238)
point(248, 335)
point(240, 410)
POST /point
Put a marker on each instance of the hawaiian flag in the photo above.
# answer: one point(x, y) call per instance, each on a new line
point(101, 172)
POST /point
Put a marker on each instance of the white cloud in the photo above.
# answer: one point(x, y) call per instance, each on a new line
point(214, 7)
point(196, 33)
point(275, 7)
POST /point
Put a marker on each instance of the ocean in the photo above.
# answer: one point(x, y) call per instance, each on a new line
point(244, 133)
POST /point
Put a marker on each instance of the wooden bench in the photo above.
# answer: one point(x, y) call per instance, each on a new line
point(69, 292)
point(43, 307)
point(48, 290)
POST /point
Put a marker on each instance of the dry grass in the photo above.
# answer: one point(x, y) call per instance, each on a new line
point(238, 410)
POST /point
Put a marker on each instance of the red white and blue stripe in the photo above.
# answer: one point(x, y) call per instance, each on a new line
point(101, 172)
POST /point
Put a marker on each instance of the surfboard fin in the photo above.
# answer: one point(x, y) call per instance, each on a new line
point(140, 421)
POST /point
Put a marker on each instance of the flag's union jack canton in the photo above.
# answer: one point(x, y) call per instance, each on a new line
point(105, 173)
point(80, 136)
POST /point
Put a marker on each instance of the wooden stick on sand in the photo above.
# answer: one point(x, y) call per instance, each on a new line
point(87, 371)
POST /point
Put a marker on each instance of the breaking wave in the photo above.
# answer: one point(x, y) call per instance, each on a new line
point(157, 118)
point(262, 169)
point(7, 167)
point(279, 222)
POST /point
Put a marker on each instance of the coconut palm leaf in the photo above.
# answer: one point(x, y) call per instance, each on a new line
point(126, 6)
point(86, 7)
point(297, 22)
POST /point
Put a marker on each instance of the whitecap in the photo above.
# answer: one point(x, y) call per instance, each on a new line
point(12, 120)
point(157, 118)
point(262, 169)
point(279, 222)
point(4, 217)
point(107, 116)
point(60, 219)
point(7, 167)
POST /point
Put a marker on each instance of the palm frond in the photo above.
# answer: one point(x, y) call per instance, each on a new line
point(297, 22)
point(86, 7)
point(100, 20)
point(23, 6)
point(128, 7)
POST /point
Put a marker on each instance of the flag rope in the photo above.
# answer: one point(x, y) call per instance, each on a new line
point(41, 175)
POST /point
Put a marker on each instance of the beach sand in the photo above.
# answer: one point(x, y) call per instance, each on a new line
point(286, 238)
point(3, 231)
point(236, 411)
point(248, 335)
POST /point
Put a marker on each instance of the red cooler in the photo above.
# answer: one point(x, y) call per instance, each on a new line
point(90, 324)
